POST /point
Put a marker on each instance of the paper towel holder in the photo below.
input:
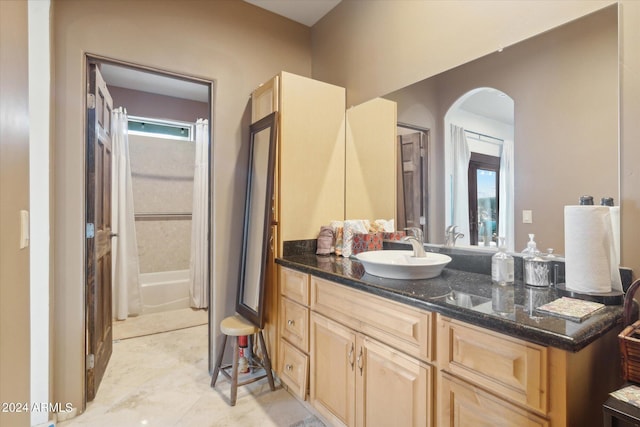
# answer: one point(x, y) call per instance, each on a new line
point(614, 297)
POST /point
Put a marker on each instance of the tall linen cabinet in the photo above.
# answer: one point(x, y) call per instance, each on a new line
point(309, 185)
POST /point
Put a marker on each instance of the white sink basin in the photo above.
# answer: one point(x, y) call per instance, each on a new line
point(394, 264)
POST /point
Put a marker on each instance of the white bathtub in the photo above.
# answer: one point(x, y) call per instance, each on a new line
point(164, 290)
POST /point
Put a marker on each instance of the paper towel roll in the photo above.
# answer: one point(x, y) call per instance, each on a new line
point(590, 258)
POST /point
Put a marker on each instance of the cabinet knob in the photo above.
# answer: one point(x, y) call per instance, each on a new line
point(291, 322)
point(288, 367)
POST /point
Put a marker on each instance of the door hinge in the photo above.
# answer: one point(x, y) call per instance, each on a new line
point(90, 230)
point(91, 101)
point(91, 361)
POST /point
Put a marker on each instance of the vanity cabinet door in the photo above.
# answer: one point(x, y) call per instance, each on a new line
point(264, 100)
point(333, 365)
point(462, 404)
point(294, 369)
point(393, 389)
point(511, 368)
point(358, 381)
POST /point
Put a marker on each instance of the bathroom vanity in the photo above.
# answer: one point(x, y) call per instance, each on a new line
point(444, 351)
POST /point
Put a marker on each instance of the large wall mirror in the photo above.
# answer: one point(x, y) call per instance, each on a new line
point(564, 88)
point(257, 220)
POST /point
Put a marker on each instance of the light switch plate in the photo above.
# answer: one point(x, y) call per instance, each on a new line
point(24, 229)
point(527, 217)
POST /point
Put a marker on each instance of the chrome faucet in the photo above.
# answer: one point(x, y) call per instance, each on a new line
point(451, 235)
point(417, 241)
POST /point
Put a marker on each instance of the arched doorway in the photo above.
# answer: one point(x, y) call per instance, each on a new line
point(479, 169)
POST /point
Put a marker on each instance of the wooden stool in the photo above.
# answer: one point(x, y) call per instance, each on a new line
point(237, 326)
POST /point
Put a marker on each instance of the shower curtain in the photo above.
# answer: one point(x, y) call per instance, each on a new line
point(125, 267)
point(199, 265)
point(506, 225)
point(460, 190)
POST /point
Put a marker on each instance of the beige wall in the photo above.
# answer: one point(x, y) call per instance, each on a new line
point(232, 42)
point(364, 47)
point(564, 85)
point(376, 47)
point(14, 196)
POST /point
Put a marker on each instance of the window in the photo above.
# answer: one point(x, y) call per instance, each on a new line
point(161, 128)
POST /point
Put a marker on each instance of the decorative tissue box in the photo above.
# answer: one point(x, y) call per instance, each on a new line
point(394, 235)
point(363, 242)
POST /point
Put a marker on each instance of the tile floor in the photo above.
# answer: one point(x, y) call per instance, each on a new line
point(162, 380)
point(163, 321)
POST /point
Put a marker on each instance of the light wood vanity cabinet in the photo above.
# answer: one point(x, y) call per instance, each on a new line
point(372, 361)
point(463, 404)
point(486, 378)
point(359, 380)
point(511, 368)
point(473, 360)
point(293, 358)
point(309, 181)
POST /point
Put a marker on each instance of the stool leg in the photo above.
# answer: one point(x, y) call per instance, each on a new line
point(216, 371)
point(234, 375)
point(266, 361)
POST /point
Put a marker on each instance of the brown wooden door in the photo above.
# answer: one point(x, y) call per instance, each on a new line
point(413, 178)
point(98, 231)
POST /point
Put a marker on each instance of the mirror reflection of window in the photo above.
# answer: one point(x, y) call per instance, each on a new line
point(484, 171)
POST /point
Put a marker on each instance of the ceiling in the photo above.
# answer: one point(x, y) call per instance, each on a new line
point(492, 104)
point(129, 78)
point(306, 12)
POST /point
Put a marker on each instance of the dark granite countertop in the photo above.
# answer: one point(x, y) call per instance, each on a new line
point(469, 297)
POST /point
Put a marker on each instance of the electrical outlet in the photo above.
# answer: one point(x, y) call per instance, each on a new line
point(527, 217)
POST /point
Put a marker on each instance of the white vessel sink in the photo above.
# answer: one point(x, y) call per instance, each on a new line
point(397, 264)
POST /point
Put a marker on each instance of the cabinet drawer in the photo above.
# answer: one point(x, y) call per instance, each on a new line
point(294, 323)
point(294, 285)
point(294, 369)
point(512, 368)
point(403, 327)
point(462, 404)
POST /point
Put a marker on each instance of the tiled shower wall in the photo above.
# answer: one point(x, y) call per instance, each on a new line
point(162, 175)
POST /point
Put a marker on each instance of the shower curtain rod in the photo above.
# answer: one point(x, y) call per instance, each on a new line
point(481, 135)
point(159, 216)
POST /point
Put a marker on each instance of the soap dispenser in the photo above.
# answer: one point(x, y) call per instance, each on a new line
point(502, 265)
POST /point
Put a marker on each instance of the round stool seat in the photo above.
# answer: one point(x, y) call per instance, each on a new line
point(237, 325)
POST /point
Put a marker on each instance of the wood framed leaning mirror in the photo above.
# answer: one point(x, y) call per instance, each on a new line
point(257, 220)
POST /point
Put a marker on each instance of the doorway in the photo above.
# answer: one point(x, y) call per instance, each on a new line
point(154, 289)
point(480, 123)
point(412, 178)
